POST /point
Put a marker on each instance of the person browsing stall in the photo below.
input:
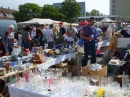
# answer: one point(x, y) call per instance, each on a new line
point(39, 36)
point(119, 26)
point(8, 40)
point(89, 34)
point(50, 38)
point(71, 35)
point(26, 38)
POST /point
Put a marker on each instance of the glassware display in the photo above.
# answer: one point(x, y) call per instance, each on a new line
point(53, 84)
point(125, 80)
point(95, 78)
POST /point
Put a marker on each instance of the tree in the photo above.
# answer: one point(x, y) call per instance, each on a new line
point(71, 9)
point(27, 11)
point(88, 14)
point(95, 12)
point(53, 13)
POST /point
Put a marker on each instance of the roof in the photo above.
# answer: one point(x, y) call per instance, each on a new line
point(108, 16)
point(7, 10)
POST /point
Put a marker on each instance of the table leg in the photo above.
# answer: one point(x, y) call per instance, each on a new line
point(115, 70)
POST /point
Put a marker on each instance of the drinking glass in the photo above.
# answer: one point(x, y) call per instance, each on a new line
point(69, 75)
point(95, 78)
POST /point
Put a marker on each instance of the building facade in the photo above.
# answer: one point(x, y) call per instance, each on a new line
point(82, 4)
point(120, 7)
point(6, 13)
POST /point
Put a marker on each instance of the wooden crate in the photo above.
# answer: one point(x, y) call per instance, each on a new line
point(101, 73)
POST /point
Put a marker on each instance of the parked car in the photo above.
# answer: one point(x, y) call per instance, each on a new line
point(4, 24)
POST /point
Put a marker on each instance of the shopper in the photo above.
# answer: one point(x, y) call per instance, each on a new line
point(89, 34)
point(39, 37)
point(71, 35)
point(8, 40)
point(62, 33)
point(26, 38)
point(50, 38)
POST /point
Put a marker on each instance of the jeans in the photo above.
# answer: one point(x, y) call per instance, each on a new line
point(50, 45)
point(70, 43)
point(10, 50)
point(89, 47)
point(27, 45)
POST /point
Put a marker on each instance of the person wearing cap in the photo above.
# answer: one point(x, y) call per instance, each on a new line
point(71, 35)
point(89, 34)
point(62, 32)
point(50, 38)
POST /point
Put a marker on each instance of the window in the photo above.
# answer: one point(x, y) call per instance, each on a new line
point(113, 13)
point(9, 15)
point(113, 5)
point(113, 1)
point(113, 10)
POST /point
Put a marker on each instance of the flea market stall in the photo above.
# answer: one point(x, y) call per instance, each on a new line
point(57, 72)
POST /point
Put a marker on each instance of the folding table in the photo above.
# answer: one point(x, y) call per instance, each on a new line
point(116, 67)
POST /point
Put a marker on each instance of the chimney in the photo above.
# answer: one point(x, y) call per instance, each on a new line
point(8, 7)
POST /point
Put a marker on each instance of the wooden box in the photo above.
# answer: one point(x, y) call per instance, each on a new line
point(101, 73)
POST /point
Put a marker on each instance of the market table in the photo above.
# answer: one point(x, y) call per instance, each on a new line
point(45, 65)
point(54, 61)
point(23, 92)
point(42, 66)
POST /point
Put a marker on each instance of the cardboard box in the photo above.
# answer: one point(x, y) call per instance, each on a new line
point(101, 73)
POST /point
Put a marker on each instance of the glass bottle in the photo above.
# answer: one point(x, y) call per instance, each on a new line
point(125, 80)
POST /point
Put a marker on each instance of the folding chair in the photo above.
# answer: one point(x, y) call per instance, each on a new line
point(116, 68)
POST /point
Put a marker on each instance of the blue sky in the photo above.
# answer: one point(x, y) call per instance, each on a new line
point(101, 5)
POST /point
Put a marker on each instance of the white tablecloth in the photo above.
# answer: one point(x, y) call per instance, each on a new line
point(103, 44)
point(15, 92)
point(55, 61)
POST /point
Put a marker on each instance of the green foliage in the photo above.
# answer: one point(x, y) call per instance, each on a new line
point(53, 13)
point(71, 9)
point(27, 11)
point(94, 12)
point(69, 12)
point(88, 14)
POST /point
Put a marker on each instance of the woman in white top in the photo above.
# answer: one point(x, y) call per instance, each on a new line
point(110, 31)
point(8, 40)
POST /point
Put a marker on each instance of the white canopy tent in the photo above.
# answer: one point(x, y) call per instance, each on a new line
point(39, 21)
point(106, 20)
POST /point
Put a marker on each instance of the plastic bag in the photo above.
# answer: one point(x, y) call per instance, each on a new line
point(80, 43)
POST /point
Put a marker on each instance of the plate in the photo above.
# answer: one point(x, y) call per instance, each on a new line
point(117, 62)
